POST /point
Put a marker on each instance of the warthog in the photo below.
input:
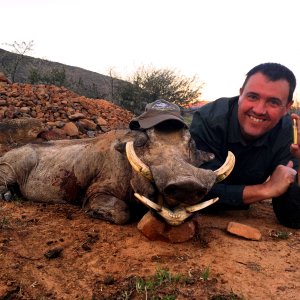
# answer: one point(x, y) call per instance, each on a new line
point(106, 174)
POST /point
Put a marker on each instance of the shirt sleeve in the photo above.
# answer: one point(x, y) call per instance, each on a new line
point(208, 134)
point(228, 194)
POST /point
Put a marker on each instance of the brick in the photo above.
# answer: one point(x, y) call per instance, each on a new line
point(243, 230)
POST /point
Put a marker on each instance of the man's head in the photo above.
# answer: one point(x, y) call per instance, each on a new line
point(265, 97)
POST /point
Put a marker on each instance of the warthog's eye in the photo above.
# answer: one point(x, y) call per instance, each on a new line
point(169, 126)
point(141, 140)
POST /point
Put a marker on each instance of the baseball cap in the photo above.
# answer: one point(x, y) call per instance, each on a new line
point(155, 113)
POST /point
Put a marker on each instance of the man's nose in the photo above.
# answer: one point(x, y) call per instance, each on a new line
point(260, 107)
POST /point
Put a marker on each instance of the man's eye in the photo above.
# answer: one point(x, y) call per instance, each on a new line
point(252, 97)
point(274, 103)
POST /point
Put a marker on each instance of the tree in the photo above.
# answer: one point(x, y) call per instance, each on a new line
point(11, 66)
point(112, 76)
point(56, 76)
point(34, 76)
point(149, 84)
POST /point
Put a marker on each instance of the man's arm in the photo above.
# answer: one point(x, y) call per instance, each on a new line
point(287, 206)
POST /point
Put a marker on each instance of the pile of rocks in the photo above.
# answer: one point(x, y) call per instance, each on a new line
point(63, 113)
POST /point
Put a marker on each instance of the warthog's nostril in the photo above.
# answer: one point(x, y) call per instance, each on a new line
point(171, 190)
point(187, 192)
point(201, 193)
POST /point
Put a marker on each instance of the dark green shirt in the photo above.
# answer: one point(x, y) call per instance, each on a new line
point(215, 129)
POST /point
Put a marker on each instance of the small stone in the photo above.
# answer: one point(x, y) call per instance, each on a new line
point(76, 116)
point(181, 233)
point(8, 196)
point(53, 253)
point(109, 280)
point(243, 230)
point(155, 229)
point(88, 124)
point(151, 227)
point(71, 129)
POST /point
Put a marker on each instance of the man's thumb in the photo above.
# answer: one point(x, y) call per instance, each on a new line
point(290, 164)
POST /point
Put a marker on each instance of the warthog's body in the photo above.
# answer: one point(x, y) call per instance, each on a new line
point(96, 172)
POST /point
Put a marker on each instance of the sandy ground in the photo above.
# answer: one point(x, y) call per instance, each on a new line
point(58, 252)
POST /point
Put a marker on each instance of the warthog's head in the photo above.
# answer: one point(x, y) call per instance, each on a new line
point(167, 177)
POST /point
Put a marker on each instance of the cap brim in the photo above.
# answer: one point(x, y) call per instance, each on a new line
point(146, 123)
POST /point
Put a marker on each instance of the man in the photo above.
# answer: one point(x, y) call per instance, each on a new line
point(257, 128)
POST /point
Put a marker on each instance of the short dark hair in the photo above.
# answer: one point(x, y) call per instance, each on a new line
point(275, 71)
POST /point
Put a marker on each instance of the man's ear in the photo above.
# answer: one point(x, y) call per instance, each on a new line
point(288, 106)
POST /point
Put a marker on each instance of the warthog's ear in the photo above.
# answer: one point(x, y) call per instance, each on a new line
point(120, 147)
point(139, 141)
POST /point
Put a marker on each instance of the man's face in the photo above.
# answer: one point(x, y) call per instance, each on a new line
point(262, 103)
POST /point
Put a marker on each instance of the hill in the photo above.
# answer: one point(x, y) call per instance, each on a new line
point(80, 81)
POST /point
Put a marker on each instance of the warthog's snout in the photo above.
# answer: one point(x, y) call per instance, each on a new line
point(185, 192)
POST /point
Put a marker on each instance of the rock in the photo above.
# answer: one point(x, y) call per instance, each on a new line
point(181, 233)
point(88, 124)
point(151, 227)
point(3, 78)
point(54, 253)
point(54, 134)
point(55, 106)
point(71, 129)
point(101, 122)
point(76, 116)
point(243, 230)
point(155, 229)
point(20, 130)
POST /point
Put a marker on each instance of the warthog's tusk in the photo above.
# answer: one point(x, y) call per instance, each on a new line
point(226, 168)
point(177, 216)
point(148, 202)
point(201, 205)
point(136, 163)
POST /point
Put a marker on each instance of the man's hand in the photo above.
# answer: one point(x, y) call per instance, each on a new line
point(295, 148)
point(281, 179)
point(279, 182)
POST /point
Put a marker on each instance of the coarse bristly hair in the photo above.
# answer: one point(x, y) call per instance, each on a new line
point(275, 71)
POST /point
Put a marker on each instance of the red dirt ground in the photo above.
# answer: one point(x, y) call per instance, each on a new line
point(58, 252)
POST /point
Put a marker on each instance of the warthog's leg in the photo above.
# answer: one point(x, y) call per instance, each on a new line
point(7, 177)
point(108, 208)
point(15, 166)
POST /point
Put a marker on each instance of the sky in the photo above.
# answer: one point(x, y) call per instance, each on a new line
point(218, 41)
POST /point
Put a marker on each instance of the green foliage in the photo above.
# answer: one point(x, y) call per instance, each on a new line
point(4, 223)
point(205, 273)
point(148, 85)
point(55, 77)
point(162, 276)
point(280, 235)
point(230, 296)
point(34, 76)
